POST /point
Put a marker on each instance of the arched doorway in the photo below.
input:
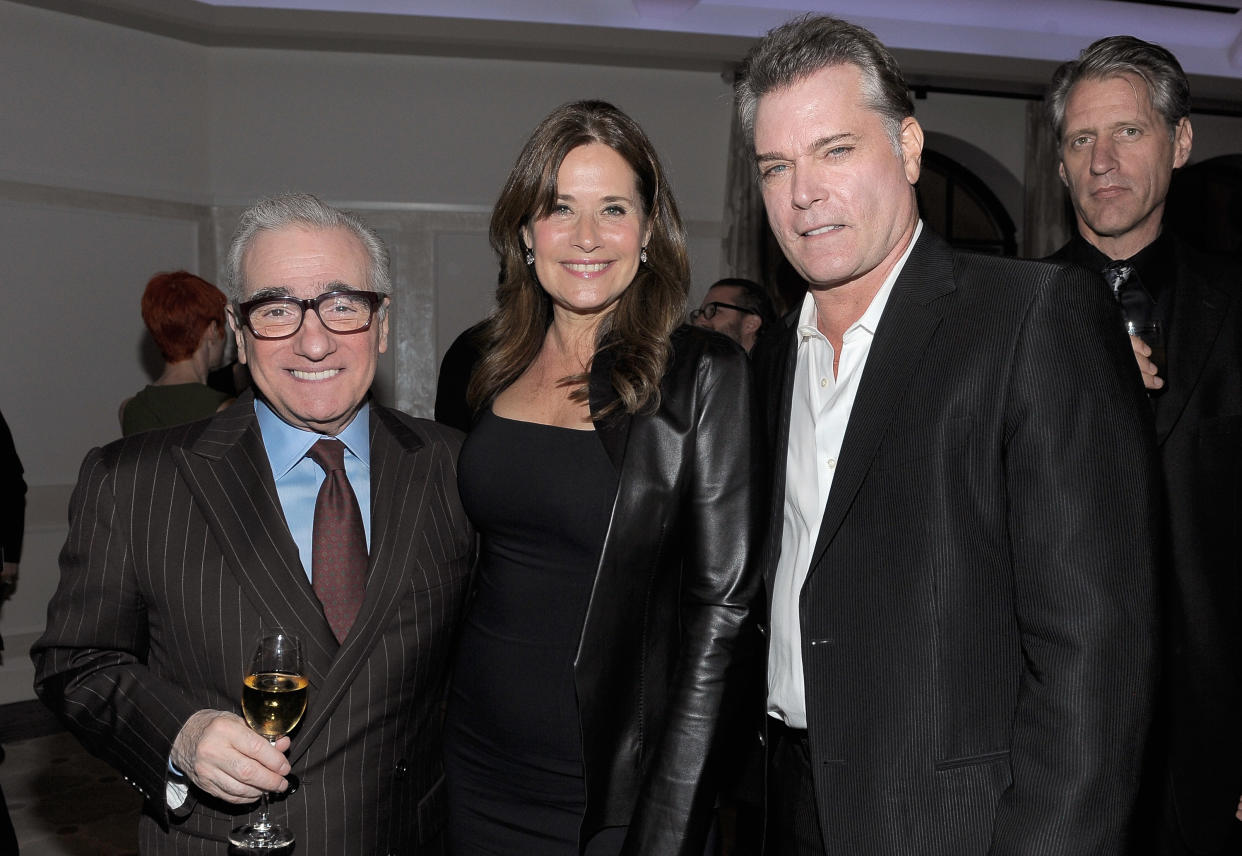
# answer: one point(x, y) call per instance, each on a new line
point(958, 205)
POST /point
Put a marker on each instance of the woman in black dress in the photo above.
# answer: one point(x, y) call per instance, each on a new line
point(611, 473)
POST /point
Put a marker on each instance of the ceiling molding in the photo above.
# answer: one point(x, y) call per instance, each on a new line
point(420, 35)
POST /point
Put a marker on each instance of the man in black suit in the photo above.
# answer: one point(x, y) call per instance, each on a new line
point(960, 564)
point(185, 541)
point(1121, 116)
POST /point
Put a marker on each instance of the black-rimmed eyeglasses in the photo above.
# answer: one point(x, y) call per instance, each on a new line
point(342, 311)
point(709, 310)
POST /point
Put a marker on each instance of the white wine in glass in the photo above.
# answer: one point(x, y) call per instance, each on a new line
point(273, 700)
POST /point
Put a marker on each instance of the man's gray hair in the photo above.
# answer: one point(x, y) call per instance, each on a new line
point(801, 47)
point(1112, 57)
point(304, 210)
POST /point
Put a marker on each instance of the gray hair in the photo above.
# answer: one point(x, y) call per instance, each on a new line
point(1112, 57)
point(801, 47)
point(302, 209)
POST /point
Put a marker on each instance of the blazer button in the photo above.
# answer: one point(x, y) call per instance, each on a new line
point(401, 769)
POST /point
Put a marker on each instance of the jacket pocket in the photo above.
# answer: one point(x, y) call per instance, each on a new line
point(972, 760)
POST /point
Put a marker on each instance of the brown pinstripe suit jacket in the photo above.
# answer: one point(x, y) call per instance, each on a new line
point(178, 550)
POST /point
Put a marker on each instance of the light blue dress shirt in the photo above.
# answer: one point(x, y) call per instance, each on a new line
point(298, 477)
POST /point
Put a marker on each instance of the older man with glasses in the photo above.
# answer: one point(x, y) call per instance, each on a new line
point(304, 506)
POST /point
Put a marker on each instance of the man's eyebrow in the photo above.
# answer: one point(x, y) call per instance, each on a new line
point(270, 291)
point(274, 291)
point(834, 139)
point(821, 143)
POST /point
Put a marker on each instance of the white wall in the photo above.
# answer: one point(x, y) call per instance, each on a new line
point(438, 131)
point(95, 107)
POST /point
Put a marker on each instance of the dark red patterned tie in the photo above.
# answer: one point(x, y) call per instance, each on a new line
point(339, 543)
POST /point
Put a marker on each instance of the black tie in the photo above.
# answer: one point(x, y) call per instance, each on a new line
point(1124, 281)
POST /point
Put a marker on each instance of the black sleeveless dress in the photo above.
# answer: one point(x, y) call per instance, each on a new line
point(541, 496)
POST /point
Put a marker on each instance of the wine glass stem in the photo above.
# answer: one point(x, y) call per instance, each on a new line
point(263, 821)
point(264, 825)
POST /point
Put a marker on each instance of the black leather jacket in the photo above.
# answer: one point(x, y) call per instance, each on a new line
point(674, 587)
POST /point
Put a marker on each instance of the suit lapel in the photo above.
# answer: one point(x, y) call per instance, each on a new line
point(227, 471)
point(1199, 309)
point(906, 326)
point(399, 481)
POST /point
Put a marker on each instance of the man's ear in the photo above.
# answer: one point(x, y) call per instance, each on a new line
point(1061, 172)
point(384, 311)
point(238, 337)
point(1183, 138)
point(911, 148)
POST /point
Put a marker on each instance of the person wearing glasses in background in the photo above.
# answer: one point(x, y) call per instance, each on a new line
point(739, 308)
point(185, 541)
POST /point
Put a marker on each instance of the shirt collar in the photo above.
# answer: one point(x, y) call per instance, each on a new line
point(870, 319)
point(287, 445)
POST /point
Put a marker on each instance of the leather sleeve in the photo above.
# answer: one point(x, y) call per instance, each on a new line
point(719, 582)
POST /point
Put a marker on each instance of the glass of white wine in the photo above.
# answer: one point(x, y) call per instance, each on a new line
point(273, 700)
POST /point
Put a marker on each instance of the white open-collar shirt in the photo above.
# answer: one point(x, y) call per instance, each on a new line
point(819, 414)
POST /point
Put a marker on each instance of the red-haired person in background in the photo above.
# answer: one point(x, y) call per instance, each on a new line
point(185, 315)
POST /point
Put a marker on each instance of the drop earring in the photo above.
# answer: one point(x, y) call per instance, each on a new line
point(642, 257)
point(530, 256)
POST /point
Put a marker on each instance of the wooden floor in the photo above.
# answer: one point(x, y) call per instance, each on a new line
point(63, 802)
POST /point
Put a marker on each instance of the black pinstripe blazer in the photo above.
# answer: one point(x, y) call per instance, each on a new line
point(178, 549)
point(978, 627)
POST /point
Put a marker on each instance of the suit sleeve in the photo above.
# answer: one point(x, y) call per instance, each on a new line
point(90, 664)
point(719, 584)
point(1083, 519)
